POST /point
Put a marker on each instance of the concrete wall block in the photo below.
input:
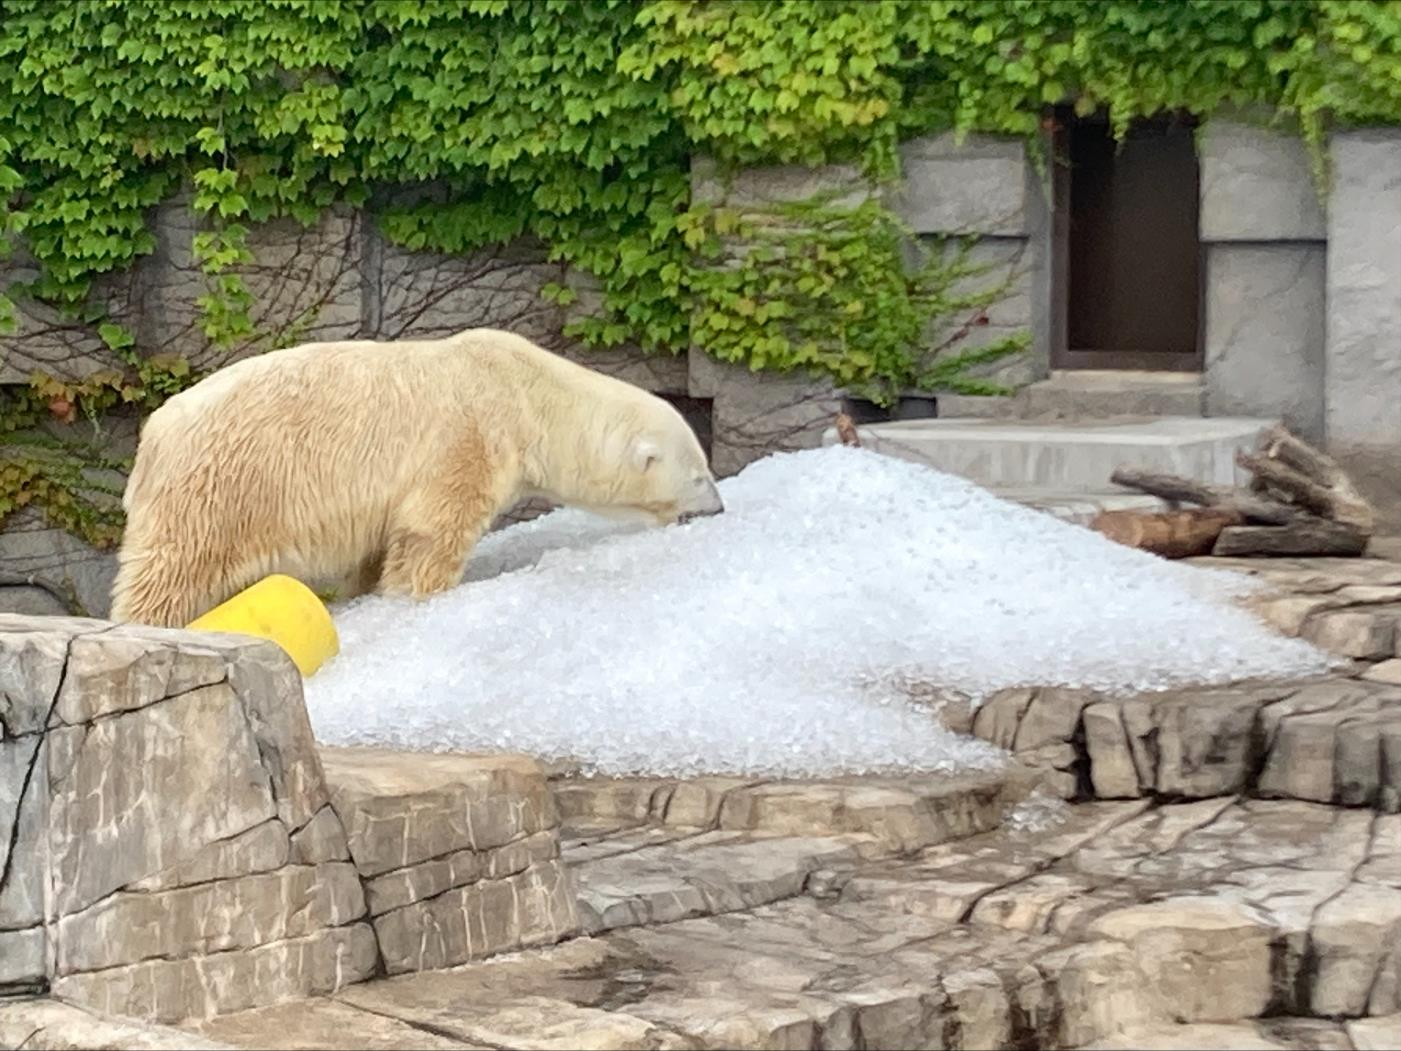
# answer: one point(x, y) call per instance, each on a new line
point(150, 783)
point(759, 413)
point(661, 374)
point(1017, 262)
point(305, 283)
point(756, 187)
point(425, 295)
point(1362, 389)
point(1256, 185)
point(30, 545)
point(1265, 307)
point(44, 341)
point(979, 186)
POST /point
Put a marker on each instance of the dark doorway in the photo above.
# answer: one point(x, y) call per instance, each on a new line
point(1128, 261)
point(699, 413)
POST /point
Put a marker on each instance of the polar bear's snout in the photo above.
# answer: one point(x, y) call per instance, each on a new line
point(709, 504)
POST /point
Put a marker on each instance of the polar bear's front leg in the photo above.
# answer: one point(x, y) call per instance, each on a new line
point(432, 534)
point(421, 564)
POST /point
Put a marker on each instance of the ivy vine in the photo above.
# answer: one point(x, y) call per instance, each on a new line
point(467, 123)
point(829, 283)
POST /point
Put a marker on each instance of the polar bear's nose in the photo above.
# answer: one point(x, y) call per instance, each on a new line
point(710, 505)
point(708, 512)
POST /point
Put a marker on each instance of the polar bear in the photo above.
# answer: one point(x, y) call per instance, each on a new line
point(378, 465)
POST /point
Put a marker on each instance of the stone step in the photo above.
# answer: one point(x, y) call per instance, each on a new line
point(458, 854)
point(638, 877)
point(891, 814)
point(1266, 1034)
point(1089, 394)
point(42, 1024)
point(1094, 394)
point(1233, 909)
point(1068, 456)
point(1122, 924)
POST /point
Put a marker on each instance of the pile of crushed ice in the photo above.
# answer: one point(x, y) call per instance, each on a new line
point(771, 639)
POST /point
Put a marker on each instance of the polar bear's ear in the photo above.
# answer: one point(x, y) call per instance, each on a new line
point(646, 454)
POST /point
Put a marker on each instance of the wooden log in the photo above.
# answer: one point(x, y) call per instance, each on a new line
point(1307, 536)
point(1309, 478)
point(1172, 534)
point(1250, 506)
point(1280, 445)
point(1336, 505)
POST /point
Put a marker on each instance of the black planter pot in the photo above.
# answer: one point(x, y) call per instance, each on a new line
point(908, 407)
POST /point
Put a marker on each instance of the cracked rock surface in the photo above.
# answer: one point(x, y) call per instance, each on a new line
point(1231, 922)
point(172, 845)
point(1197, 868)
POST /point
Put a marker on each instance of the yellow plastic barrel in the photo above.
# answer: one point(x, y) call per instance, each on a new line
point(284, 611)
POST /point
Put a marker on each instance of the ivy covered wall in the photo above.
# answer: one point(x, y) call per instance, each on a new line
point(155, 154)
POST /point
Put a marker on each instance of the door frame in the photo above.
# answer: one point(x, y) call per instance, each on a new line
point(1057, 144)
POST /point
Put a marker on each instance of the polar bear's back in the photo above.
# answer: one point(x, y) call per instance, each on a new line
point(303, 454)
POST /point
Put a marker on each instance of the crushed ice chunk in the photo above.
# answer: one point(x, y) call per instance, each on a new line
point(1038, 812)
point(772, 639)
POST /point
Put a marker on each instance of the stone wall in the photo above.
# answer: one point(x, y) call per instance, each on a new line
point(342, 279)
point(1362, 381)
point(1264, 239)
point(1301, 305)
point(171, 847)
point(986, 187)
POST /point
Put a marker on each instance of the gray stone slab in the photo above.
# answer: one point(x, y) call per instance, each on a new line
point(305, 283)
point(1068, 455)
point(30, 545)
point(1265, 311)
point(1256, 185)
point(755, 414)
point(1363, 371)
point(980, 185)
point(766, 185)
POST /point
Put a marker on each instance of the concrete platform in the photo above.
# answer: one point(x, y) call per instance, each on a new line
point(1093, 394)
point(1071, 457)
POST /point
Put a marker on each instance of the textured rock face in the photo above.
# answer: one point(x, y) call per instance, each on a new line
point(171, 850)
point(153, 782)
point(1332, 739)
point(460, 854)
point(1264, 333)
point(1220, 923)
point(985, 187)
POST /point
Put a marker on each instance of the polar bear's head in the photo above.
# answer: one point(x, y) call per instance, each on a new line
point(657, 469)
